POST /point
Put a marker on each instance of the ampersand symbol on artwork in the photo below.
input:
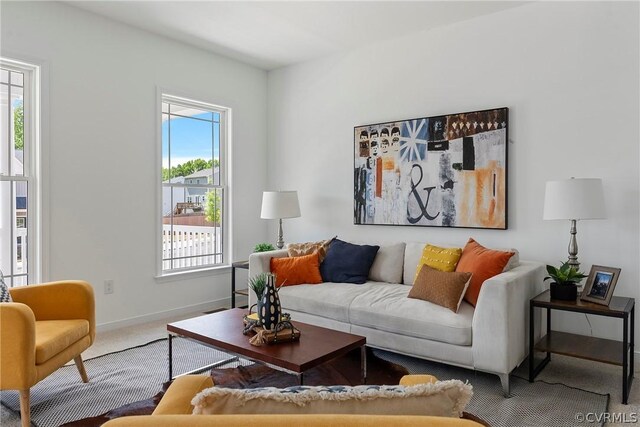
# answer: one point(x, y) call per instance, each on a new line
point(421, 205)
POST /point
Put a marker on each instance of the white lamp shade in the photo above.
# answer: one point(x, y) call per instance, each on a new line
point(581, 198)
point(280, 204)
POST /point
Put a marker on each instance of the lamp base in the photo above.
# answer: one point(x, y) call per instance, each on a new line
point(280, 241)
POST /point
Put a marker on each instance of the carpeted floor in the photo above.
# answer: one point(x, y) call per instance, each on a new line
point(138, 373)
point(116, 379)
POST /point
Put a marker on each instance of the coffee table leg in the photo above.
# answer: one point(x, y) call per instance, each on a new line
point(170, 358)
point(301, 378)
point(363, 363)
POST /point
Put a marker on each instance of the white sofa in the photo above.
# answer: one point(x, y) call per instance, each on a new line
point(492, 337)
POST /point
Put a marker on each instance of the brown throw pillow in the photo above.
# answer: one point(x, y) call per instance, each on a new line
point(439, 287)
point(301, 249)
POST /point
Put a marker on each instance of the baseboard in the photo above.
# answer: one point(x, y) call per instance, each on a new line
point(131, 321)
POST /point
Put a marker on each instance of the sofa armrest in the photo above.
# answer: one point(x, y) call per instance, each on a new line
point(17, 346)
point(177, 399)
point(64, 300)
point(501, 318)
point(260, 262)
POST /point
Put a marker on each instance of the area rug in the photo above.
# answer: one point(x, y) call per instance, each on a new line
point(138, 374)
point(115, 379)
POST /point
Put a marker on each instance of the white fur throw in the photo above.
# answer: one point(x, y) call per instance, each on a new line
point(442, 398)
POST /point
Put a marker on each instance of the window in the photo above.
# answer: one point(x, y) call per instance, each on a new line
point(193, 169)
point(18, 173)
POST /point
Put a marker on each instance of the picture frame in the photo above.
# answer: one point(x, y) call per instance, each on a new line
point(600, 284)
point(447, 170)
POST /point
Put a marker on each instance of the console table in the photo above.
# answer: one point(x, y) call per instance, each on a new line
point(244, 265)
point(585, 347)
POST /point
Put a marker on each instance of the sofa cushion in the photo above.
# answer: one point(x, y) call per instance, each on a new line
point(292, 271)
point(387, 265)
point(54, 336)
point(347, 263)
point(483, 263)
point(330, 300)
point(387, 308)
point(443, 288)
point(442, 398)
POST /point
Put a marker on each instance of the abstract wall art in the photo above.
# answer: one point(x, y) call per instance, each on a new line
point(444, 171)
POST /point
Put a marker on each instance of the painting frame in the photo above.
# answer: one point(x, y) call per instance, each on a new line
point(435, 138)
point(600, 284)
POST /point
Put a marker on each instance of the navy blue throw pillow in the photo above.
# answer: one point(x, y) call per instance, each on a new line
point(347, 263)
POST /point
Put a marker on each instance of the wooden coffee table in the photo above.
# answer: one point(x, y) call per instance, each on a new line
point(223, 331)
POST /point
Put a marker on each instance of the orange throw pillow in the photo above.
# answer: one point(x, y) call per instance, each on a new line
point(297, 270)
point(483, 263)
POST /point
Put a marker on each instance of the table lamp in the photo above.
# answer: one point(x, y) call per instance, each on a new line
point(279, 205)
point(574, 199)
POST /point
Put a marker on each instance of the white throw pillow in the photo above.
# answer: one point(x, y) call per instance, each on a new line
point(440, 399)
point(387, 265)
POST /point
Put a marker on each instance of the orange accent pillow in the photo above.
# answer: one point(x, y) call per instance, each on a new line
point(483, 263)
point(297, 270)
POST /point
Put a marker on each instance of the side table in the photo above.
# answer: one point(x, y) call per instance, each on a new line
point(585, 347)
point(244, 265)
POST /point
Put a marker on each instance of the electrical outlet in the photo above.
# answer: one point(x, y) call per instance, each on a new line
point(108, 286)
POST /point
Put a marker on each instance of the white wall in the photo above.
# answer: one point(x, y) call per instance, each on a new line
point(568, 73)
point(102, 79)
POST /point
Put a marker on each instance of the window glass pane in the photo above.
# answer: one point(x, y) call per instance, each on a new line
point(216, 153)
point(193, 233)
point(4, 76)
point(6, 227)
point(20, 240)
point(17, 78)
point(20, 281)
point(191, 146)
point(17, 131)
point(191, 210)
point(190, 112)
point(167, 209)
point(4, 129)
point(165, 148)
point(13, 238)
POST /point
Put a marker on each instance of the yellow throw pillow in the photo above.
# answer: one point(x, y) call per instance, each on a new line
point(443, 259)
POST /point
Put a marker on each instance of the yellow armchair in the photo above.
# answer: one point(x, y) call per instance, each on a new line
point(44, 327)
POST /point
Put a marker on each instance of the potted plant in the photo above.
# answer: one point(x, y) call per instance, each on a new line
point(264, 247)
point(258, 284)
point(565, 281)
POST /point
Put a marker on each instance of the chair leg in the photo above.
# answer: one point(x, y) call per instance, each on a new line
point(25, 410)
point(80, 366)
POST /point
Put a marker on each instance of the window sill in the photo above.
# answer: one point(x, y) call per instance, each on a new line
point(193, 274)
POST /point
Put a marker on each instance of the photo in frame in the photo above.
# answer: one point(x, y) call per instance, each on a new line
point(600, 284)
point(441, 171)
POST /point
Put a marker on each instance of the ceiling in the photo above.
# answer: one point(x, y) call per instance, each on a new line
point(273, 34)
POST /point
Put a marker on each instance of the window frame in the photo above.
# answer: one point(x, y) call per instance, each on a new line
point(32, 166)
point(171, 96)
